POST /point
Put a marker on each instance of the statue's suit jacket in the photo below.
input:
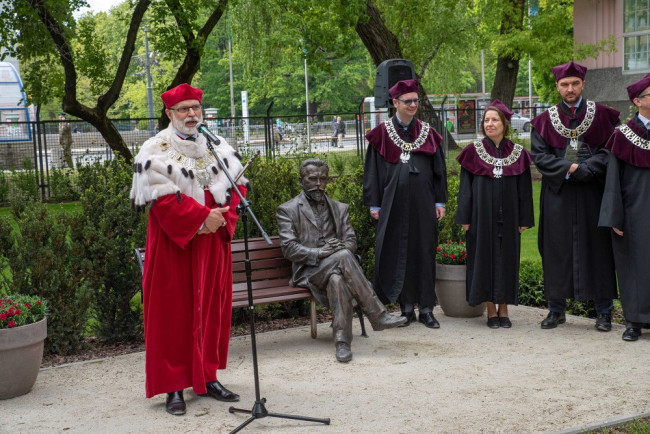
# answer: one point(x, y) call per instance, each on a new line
point(298, 231)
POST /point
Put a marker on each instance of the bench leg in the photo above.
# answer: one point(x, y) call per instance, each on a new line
point(314, 332)
point(357, 309)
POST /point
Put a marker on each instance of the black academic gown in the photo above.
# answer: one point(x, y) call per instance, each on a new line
point(576, 254)
point(494, 208)
point(407, 230)
point(626, 206)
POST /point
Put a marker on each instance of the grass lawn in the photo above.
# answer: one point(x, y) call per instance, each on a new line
point(529, 237)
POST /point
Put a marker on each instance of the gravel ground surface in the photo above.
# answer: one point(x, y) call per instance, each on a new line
point(463, 377)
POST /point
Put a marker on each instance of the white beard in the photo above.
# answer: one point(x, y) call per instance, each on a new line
point(181, 127)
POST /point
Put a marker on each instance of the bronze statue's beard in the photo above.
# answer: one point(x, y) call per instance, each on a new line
point(315, 195)
point(181, 126)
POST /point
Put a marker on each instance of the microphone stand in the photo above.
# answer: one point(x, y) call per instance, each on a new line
point(259, 410)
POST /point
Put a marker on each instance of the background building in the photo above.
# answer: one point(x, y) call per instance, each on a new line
point(609, 74)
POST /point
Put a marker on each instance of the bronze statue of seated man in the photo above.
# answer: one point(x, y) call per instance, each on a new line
point(317, 236)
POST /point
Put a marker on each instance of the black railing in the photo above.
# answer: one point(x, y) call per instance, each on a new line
point(39, 146)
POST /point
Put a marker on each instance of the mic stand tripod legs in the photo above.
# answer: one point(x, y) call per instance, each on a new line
point(259, 410)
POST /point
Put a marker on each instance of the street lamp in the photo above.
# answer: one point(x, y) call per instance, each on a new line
point(149, 89)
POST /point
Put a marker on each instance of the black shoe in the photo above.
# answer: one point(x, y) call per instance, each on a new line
point(343, 352)
point(505, 322)
point(553, 319)
point(631, 334)
point(604, 322)
point(175, 403)
point(429, 320)
point(410, 317)
point(220, 393)
point(493, 322)
point(387, 321)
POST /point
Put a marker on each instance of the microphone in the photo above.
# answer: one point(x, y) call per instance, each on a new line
point(202, 128)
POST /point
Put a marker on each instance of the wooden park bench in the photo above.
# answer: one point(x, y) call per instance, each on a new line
point(270, 274)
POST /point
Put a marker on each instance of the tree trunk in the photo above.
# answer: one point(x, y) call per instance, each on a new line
point(194, 46)
point(505, 81)
point(95, 116)
point(382, 45)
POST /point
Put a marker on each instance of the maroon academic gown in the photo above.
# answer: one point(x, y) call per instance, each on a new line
point(187, 294)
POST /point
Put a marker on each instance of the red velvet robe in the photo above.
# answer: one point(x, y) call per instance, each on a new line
point(187, 295)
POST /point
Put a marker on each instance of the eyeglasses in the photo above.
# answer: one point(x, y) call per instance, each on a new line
point(414, 101)
point(644, 95)
point(185, 109)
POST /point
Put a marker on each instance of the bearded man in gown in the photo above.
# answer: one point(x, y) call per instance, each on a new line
point(187, 278)
point(567, 144)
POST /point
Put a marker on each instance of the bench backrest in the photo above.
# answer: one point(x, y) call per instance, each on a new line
point(269, 267)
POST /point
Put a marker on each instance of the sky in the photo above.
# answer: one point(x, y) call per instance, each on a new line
point(99, 6)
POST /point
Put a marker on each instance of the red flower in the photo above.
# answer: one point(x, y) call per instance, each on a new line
point(38, 303)
point(452, 256)
point(11, 324)
point(448, 241)
point(28, 305)
point(461, 243)
point(438, 249)
point(3, 316)
point(444, 255)
point(18, 312)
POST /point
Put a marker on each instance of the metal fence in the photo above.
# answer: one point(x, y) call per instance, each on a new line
point(38, 146)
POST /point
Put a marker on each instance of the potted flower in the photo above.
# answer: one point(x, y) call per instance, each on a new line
point(451, 290)
point(23, 329)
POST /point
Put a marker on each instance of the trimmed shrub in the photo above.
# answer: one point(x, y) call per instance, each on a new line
point(104, 236)
point(531, 283)
point(39, 259)
point(62, 185)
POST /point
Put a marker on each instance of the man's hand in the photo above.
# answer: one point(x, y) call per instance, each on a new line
point(522, 229)
point(573, 168)
point(618, 232)
point(440, 212)
point(466, 227)
point(374, 213)
point(331, 246)
point(214, 220)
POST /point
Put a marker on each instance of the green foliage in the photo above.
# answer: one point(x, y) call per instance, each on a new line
point(586, 309)
point(4, 187)
point(24, 183)
point(273, 182)
point(38, 256)
point(531, 283)
point(449, 230)
point(62, 185)
point(104, 236)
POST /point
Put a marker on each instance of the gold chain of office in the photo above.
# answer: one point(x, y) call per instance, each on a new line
point(569, 133)
point(634, 138)
point(198, 165)
point(498, 163)
point(406, 147)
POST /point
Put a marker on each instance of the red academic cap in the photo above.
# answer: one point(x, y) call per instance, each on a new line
point(180, 93)
point(402, 87)
point(501, 107)
point(635, 89)
point(570, 69)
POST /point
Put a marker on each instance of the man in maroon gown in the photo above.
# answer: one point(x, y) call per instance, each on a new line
point(405, 185)
point(625, 209)
point(187, 280)
point(567, 146)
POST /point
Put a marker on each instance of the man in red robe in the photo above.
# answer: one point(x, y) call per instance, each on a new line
point(187, 279)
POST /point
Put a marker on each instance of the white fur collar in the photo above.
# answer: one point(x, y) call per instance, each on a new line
point(167, 164)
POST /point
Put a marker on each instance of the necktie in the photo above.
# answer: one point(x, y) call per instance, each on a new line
point(191, 138)
point(573, 112)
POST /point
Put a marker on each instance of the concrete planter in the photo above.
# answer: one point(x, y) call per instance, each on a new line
point(451, 292)
point(21, 353)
